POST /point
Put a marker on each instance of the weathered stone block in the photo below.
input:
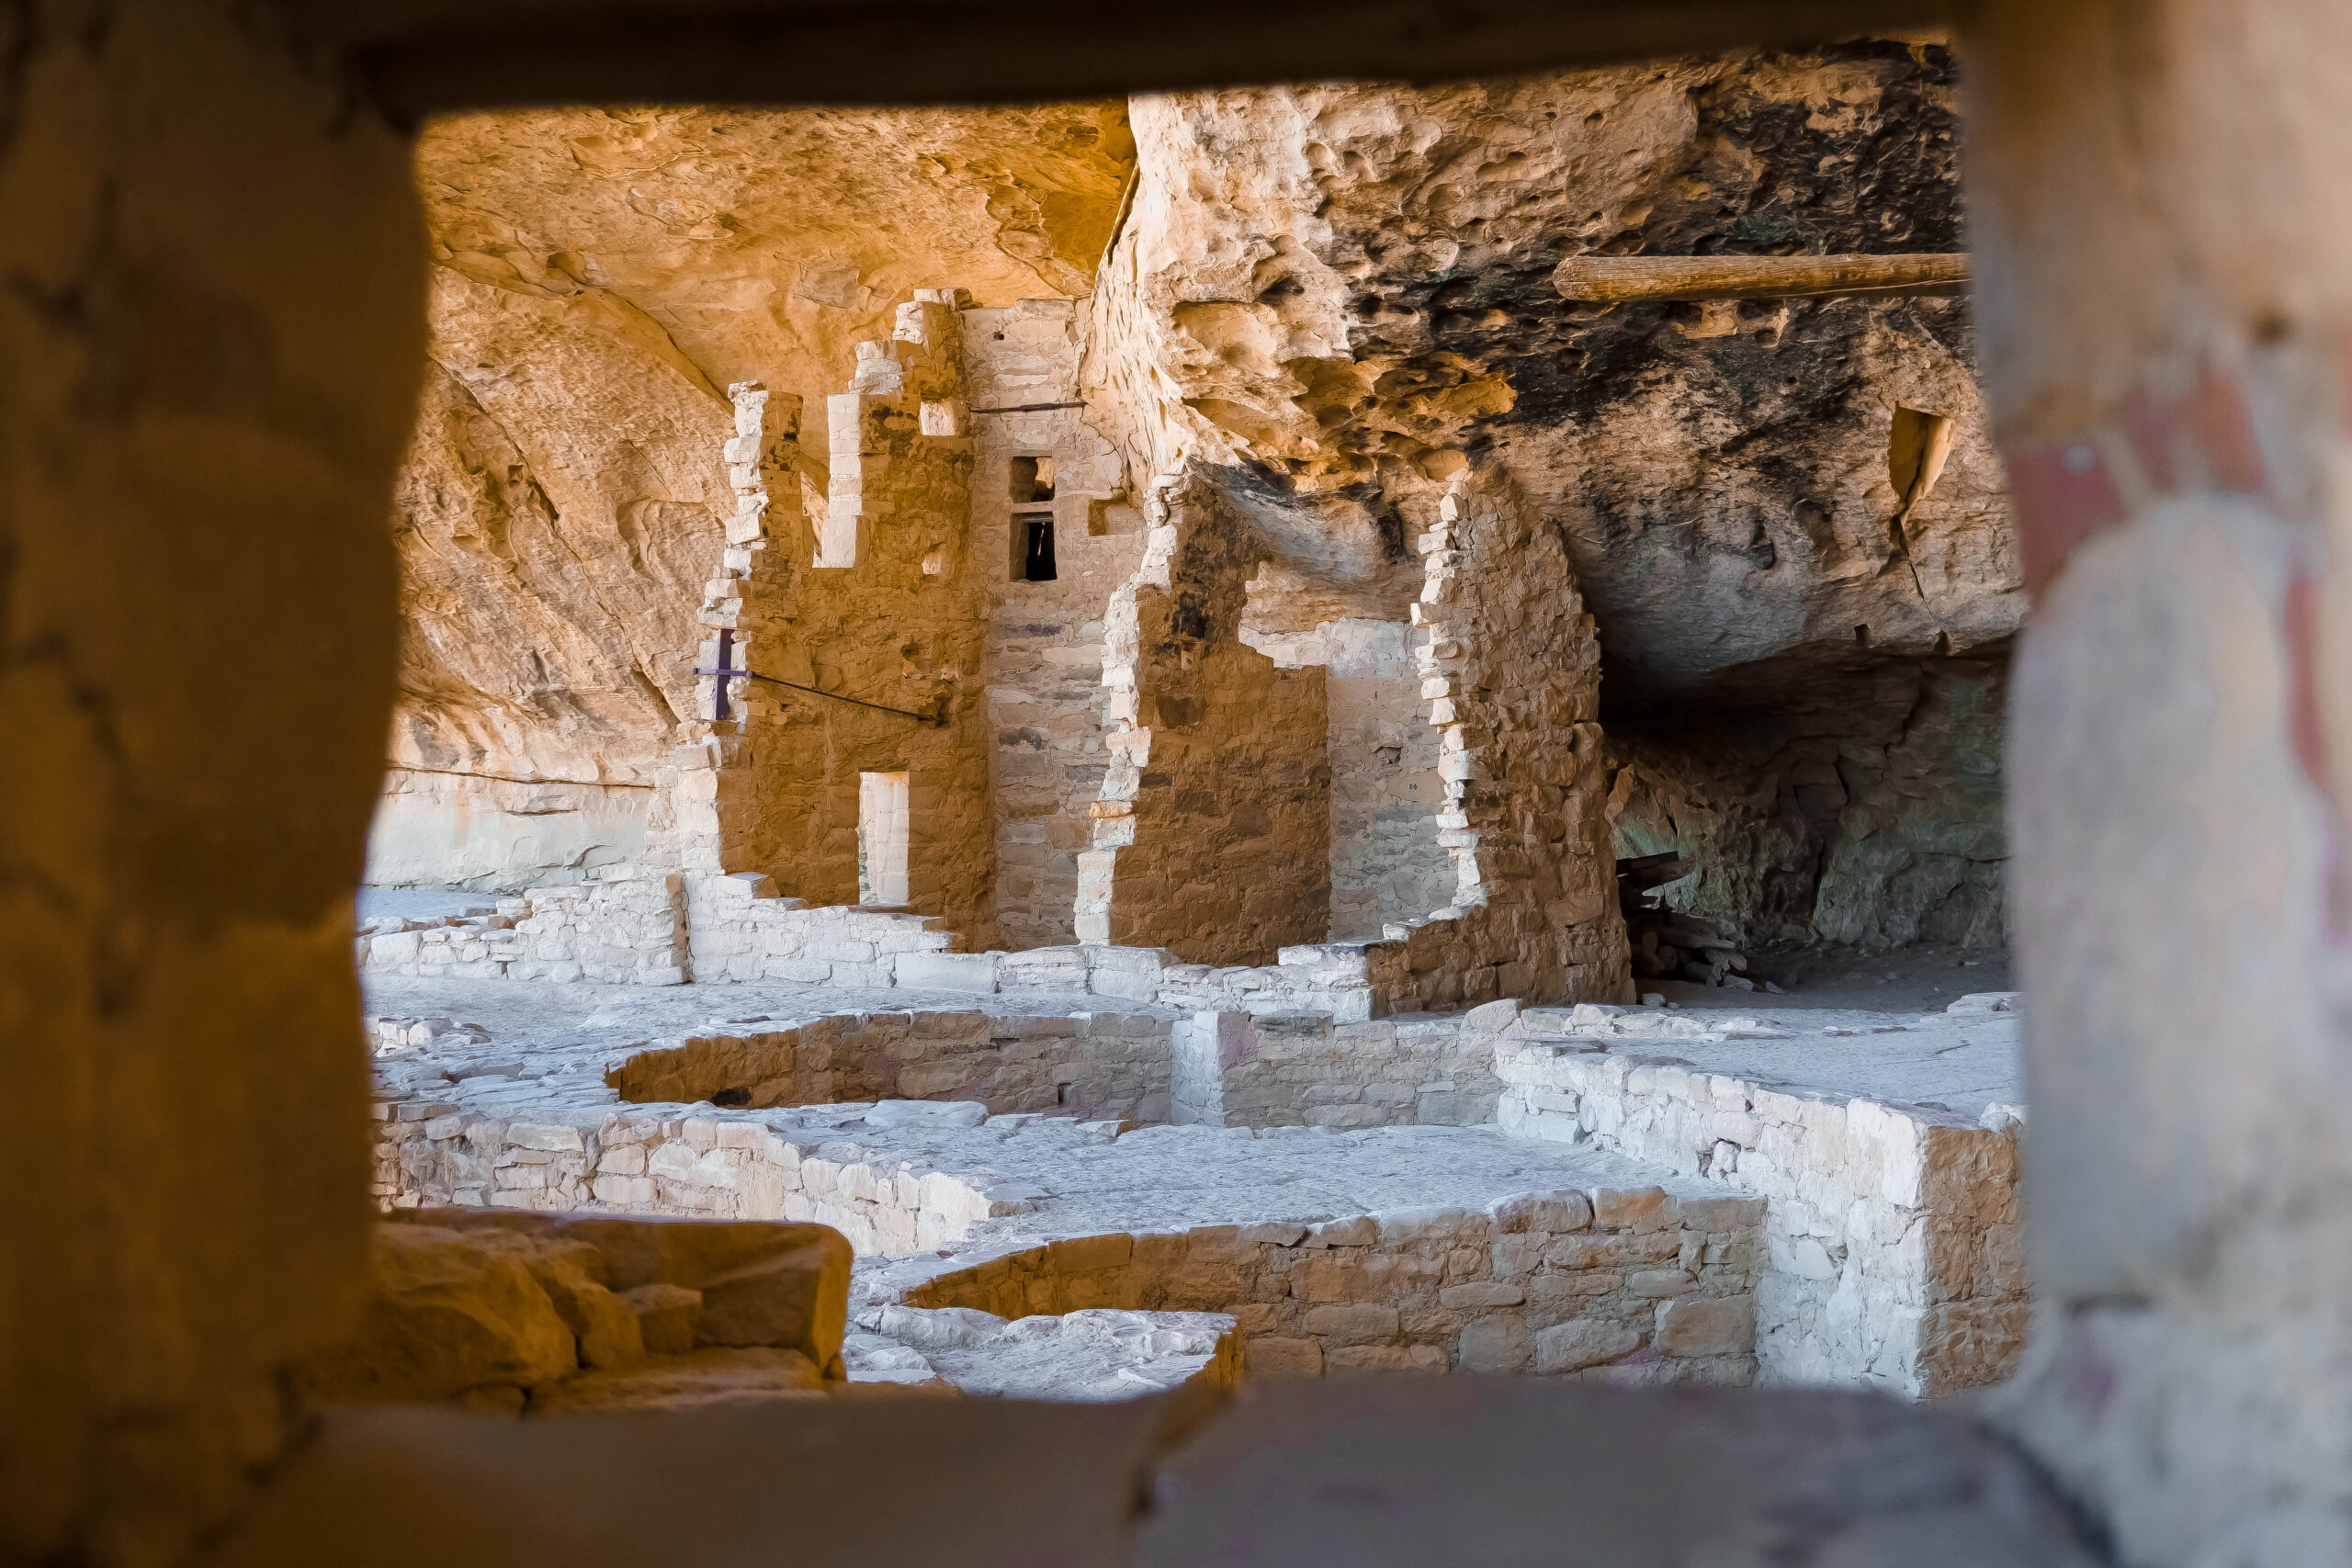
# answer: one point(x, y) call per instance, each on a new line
point(1700, 1326)
point(1351, 1323)
point(1585, 1342)
point(1555, 1212)
point(1499, 1344)
point(1283, 1357)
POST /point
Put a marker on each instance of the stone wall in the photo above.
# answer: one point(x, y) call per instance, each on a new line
point(630, 925)
point(1625, 1286)
point(624, 929)
point(741, 930)
point(1231, 1069)
point(711, 812)
point(1512, 673)
point(1387, 863)
point(203, 403)
point(712, 1165)
point(1212, 834)
point(1891, 1233)
point(868, 596)
point(1045, 639)
point(1096, 1066)
point(561, 501)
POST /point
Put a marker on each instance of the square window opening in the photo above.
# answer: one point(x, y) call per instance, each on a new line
point(1033, 480)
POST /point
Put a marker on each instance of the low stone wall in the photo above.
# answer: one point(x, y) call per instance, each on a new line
point(1098, 1065)
point(1233, 1070)
point(1893, 1249)
point(622, 928)
point(663, 930)
point(716, 1164)
point(1626, 1286)
point(628, 927)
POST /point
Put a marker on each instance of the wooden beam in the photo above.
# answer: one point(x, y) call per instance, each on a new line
point(1618, 280)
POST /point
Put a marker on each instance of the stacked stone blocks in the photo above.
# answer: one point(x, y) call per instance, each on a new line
point(1231, 1069)
point(1212, 832)
point(1097, 1065)
point(715, 1165)
point(622, 928)
point(1511, 666)
point(1892, 1231)
point(1045, 641)
point(1621, 1286)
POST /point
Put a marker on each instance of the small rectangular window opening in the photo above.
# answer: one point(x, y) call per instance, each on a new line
point(1034, 532)
point(1033, 481)
point(883, 829)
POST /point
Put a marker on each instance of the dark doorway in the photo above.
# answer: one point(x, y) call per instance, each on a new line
point(1036, 535)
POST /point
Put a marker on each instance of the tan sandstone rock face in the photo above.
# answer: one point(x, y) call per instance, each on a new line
point(602, 277)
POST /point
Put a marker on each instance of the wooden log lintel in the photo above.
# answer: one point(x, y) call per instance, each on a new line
point(1617, 280)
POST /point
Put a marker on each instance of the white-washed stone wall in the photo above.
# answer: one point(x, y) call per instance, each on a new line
point(710, 1165)
point(737, 929)
point(1231, 1069)
point(624, 929)
point(742, 931)
point(1624, 1286)
point(670, 929)
point(664, 930)
point(1892, 1231)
